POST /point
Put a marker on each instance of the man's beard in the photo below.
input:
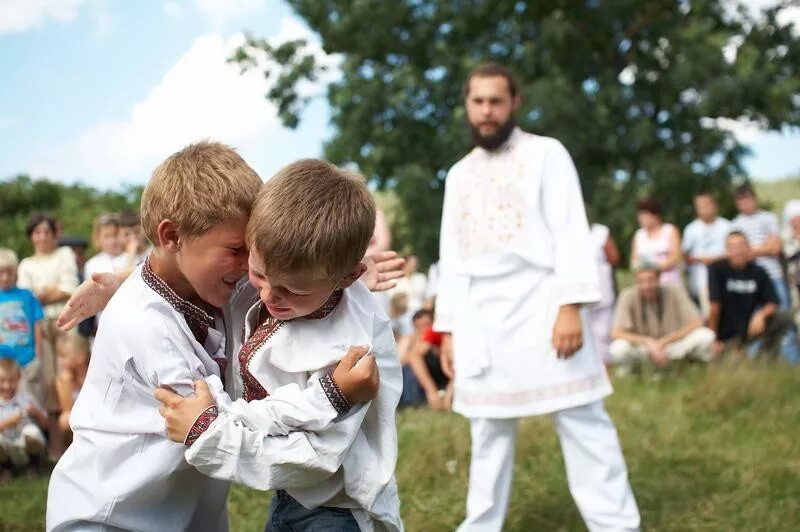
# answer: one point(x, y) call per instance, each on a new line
point(495, 140)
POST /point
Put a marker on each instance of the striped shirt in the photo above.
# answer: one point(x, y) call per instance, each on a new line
point(757, 227)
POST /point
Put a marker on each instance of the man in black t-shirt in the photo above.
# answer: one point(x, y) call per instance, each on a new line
point(744, 306)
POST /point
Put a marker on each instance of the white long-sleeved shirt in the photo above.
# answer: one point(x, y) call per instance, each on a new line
point(350, 464)
point(515, 246)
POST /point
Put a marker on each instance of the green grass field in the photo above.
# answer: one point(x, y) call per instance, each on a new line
point(707, 448)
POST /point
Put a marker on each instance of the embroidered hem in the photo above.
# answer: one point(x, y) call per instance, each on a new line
point(532, 396)
point(201, 424)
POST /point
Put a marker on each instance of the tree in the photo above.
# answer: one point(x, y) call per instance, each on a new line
point(74, 206)
point(635, 90)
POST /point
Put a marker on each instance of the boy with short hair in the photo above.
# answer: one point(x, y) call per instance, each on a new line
point(20, 437)
point(160, 329)
point(21, 317)
point(308, 232)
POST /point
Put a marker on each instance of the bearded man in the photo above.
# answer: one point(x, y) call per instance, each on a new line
point(516, 265)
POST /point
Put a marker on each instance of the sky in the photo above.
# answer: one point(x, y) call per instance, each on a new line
point(100, 91)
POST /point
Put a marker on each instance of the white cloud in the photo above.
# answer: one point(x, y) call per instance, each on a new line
point(201, 96)
point(174, 10)
point(221, 11)
point(21, 15)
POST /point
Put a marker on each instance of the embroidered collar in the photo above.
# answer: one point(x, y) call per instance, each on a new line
point(327, 307)
point(198, 319)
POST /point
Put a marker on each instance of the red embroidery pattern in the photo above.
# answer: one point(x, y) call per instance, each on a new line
point(198, 319)
point(201, 424)
point(251, 388)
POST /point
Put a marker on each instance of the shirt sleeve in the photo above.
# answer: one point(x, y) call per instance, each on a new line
point(576, 275)
point(68, 280)
point(37, 312)
point(448, 286)
point(766, 288)
point(770, 222)
point(24, 279)
point(688, 240)
point(239, 450)
point(622, 312)
point(715, 281)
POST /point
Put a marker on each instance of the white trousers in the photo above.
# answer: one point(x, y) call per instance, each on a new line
point(696, 345)
point(596, 472)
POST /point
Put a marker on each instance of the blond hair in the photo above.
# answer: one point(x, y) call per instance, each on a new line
point(8, 258)
point(312, 216)
point(75, 341)
point(104, 220)
point(9, 366)
point(201, 186)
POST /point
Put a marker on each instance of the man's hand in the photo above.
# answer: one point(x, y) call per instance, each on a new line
point(435, 402)
point(357, 375)
point(657, 352)
point(567, 331)
point(180, 412)
point(382, 269)
point(89, 298)
point(446, 356)
point(757, 325)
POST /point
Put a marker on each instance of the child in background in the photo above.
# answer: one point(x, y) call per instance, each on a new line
point(20, 437)
point(73, 359)
point(21, 318)
point(132, 242)
point(105, 240)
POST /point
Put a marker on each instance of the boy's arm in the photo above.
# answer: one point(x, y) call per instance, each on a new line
point(288, 408)
point(230, 450)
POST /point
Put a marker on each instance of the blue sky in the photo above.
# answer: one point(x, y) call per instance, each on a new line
point(102, 90)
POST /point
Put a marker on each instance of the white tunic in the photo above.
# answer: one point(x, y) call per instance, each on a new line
point(347, 464)
point(121, 470)
point(515, 246)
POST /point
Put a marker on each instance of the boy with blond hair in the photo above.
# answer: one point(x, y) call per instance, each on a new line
point(21, 331)
point(307, 234)
point(20, 436)
point(163, 328)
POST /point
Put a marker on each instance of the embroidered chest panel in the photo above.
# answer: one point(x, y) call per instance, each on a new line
point(251, 388)
point(491, 205)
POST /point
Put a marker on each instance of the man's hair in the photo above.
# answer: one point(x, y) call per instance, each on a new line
point(9, 366)
point(492, 70)
point(649, 205)
point(128, 219)
point(706, 193)
point(37, 219)
point(745, 189)
point(421, 314)
point(8, 259)
point(738, 233)
point(201, 186)
point(312, 216)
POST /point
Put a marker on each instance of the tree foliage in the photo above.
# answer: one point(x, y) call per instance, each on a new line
point(635, 91)
point(74, 206)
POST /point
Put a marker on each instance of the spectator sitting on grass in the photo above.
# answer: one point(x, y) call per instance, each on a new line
point(73, 361)
point(413, 394)
point(657, 322)
point(424, 359)
point(744, 305)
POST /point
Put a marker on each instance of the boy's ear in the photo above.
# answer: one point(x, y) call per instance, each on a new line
point(168, 236)
point(353, 276)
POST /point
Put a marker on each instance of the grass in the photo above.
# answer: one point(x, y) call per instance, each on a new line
point(777, 193)
point(707, 449)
